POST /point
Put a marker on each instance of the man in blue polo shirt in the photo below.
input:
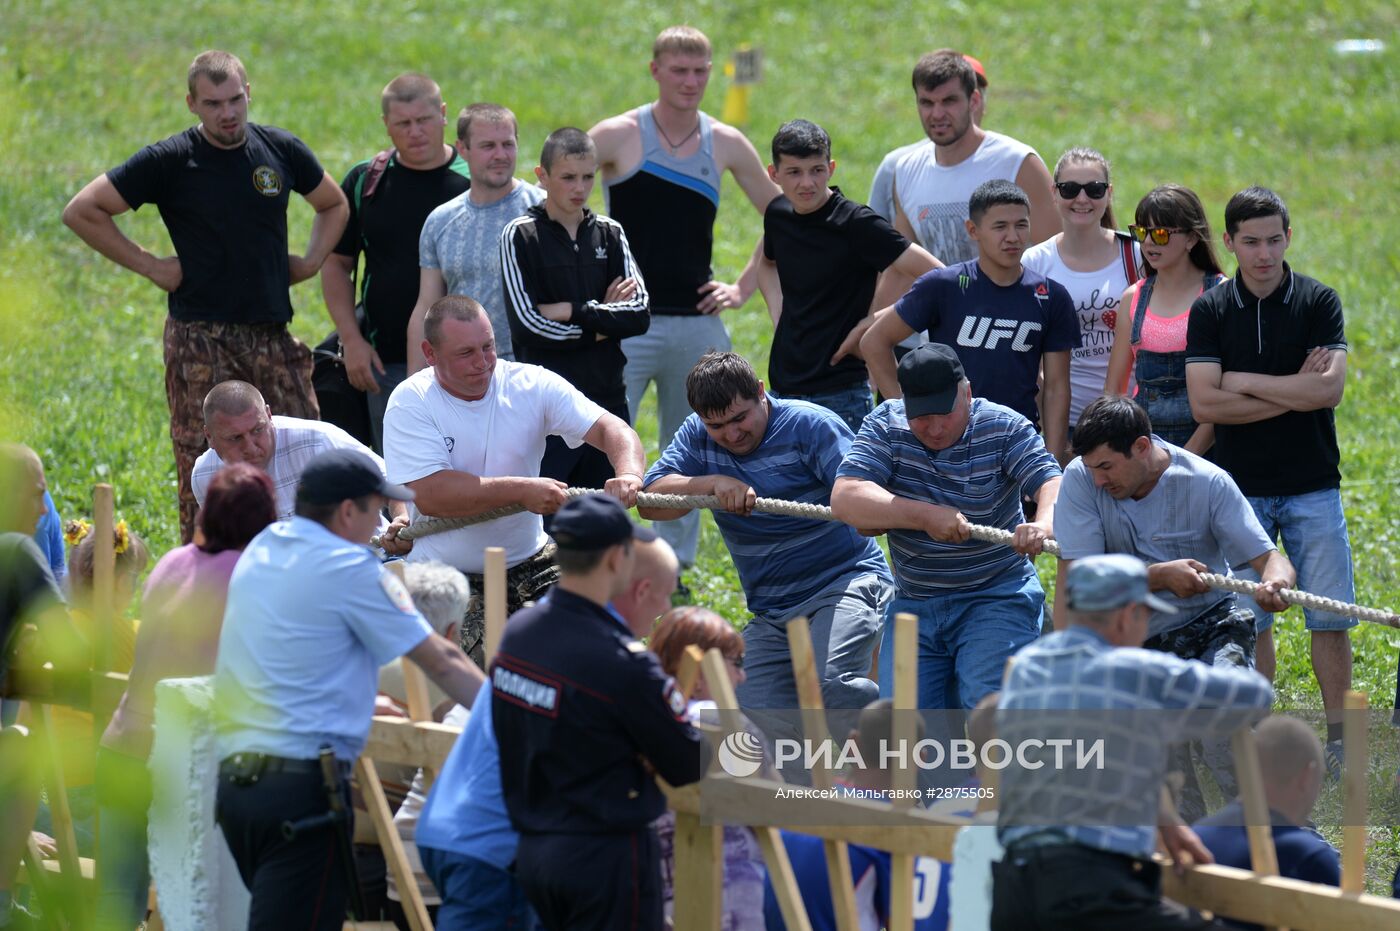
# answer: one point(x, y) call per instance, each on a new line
point(741, 444)
point(310, 618)
point(922, 469)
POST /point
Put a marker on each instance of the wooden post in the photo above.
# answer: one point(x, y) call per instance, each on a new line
point(699, 849)
point(1354, 727)
point(104, 575)
point(1263, 856)
point(906, 703)
point(495, 599)
point(409, 896)
point(769, 839)
point(70, 870)
point(809, 696)
point(689, 673)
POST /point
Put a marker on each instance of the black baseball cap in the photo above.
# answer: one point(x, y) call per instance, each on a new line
point(595, 522)
point(338, 474)
point(929, 376)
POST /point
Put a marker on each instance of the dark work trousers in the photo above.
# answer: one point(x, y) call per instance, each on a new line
point(1078, 888)
point(608, 882)
point(297, 885)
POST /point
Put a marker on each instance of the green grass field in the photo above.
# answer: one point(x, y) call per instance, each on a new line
point(1213, 95)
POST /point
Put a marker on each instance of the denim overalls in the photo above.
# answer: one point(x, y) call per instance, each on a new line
point(1161, 376)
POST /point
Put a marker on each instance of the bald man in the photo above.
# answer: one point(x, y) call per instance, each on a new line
point(1290, 756)
point(240, 427)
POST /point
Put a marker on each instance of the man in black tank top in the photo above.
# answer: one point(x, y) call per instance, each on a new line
point(661, 165)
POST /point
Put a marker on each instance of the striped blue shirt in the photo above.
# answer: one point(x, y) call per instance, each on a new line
point(782, 561)
point(983, 475)
point(1073, 685)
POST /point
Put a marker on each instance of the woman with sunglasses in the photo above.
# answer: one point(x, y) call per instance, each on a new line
point(1179, 264)
point(1093, 262)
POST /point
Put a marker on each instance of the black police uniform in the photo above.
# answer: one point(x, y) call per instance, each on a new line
point(577, 703)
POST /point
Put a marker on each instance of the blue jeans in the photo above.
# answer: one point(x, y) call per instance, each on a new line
point(965, 638)
point(665, 354)
point(1314, 533)
point(476, 896)
point(845, 622)
point(850, 404)
point(394, 373)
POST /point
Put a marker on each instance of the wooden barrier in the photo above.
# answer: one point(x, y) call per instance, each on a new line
point(814, 729)
point(1354, 785)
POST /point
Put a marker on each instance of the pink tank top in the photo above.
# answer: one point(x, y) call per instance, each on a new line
point(1164, 334)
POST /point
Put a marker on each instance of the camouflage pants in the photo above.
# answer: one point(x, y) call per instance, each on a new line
point(1223, 636)
point(199, 355)
point(526, 583)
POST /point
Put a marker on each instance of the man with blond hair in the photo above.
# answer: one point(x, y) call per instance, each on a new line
point(459, 250)
point(390, 196)
point(661, 165)
point(222, 188)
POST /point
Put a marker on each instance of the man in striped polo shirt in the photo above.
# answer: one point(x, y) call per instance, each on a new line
point(924, 468)
point(741, 444)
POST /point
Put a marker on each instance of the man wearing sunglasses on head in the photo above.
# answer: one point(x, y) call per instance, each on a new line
point(1266, 361)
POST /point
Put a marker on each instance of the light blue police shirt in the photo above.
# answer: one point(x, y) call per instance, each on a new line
point(309, 620)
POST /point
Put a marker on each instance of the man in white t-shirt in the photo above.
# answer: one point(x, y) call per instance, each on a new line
point(467, 434)
point(459, 249)
point(882, 185)
point(240, 427)
point(933, 182)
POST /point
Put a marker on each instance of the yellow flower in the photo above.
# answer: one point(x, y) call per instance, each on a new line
point(123, 538)
point(75, 530)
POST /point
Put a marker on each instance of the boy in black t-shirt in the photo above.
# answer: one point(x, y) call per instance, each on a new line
point(829, 253)
point(1266, 362)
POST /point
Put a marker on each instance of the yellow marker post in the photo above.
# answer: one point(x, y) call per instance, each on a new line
point(744, 69)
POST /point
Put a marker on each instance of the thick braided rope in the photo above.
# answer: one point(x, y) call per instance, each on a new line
point(431, 525)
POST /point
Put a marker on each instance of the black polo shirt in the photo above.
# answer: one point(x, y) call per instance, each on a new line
point(1295, 452)
point(226, 210)
point(577, 705)
point(828, 262)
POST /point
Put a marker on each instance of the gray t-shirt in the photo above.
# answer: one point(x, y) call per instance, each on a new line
point(1195, 512)
point(463, 240)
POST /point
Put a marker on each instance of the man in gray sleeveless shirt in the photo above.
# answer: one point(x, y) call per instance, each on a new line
point(661, 166)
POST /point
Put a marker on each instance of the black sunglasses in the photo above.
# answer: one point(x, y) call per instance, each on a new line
point(1069, 190)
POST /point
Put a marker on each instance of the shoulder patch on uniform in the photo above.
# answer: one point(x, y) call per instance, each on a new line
point(398, 595)
point(636, 646)
point(674, 699)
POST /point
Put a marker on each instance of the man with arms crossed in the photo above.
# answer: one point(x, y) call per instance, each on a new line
point(390, 196)
point(222, 189)
point(661, 166)
point(459, 251)
point(1266, 362)
point(742, 444)
point(467, 433)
